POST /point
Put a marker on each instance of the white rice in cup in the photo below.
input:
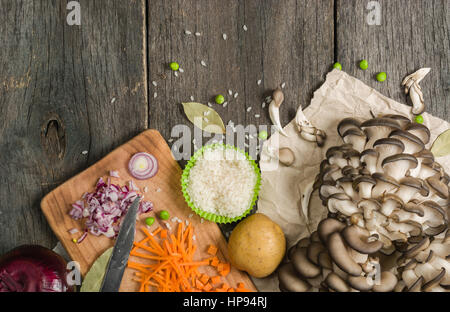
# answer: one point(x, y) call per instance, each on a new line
point(222, 182)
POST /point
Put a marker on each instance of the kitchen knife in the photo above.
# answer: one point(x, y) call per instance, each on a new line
point(119, 258)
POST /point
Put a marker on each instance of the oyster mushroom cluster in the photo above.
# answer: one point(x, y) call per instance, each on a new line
point(387, 226)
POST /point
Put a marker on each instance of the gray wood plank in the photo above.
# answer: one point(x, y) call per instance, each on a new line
point(286, 42)
point(412, 34)
point(63, 90)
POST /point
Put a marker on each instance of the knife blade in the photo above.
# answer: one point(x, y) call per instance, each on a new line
point(119, 258)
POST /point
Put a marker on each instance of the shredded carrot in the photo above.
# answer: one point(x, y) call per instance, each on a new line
point(180, 231)
point(172, 267)
point(159, 229)
point(207, 287)
point(225, 269)
point(212, 250)
point(215, 261)
point(199, 284)
point(198, 263)
point(204, 278)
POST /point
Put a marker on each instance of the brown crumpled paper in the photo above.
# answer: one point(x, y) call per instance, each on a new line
point(282, 189)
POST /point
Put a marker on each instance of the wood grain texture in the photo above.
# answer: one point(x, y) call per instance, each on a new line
point(163, 190)
point(57, 85)
point(289, 41)
point(412, 35)
point(67, 89)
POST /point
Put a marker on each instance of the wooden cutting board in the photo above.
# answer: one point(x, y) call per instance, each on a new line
point(164, 190)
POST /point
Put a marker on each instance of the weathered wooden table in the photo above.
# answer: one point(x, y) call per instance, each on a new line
point(66, 89)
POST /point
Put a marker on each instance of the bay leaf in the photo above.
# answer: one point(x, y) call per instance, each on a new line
point(441, 146)
point(94, 278)
point(204, 117)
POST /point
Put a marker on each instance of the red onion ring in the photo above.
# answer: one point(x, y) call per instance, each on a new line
point(149, 166)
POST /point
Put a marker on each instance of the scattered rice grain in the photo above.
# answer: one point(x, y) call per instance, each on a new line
point(114, 174)
point(245, 27)
point(187, 32)
point(154, 83)
point(224, 36)
point(73, 231)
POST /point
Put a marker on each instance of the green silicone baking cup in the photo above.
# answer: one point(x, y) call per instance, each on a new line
point(208, 215)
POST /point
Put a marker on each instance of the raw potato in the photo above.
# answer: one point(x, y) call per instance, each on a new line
point(257, 245)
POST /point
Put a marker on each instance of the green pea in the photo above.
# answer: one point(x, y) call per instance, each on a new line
point(381, 76)
point(419, 119)
point(150, 221)
point(164, 215)
point(263, 135)
point(364, 64)
point(337, 65)
point(220, 99)
point(174, 66)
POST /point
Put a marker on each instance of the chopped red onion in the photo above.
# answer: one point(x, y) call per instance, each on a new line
point(133, 186)
point(105, 208)
point(81, 239)
point(114, 174)
point(73, 231)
